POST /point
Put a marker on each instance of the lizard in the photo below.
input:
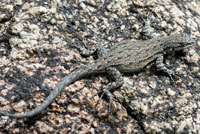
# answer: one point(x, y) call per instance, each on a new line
point(124, 57)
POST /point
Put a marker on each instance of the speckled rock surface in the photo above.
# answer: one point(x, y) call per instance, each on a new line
point(35, 54)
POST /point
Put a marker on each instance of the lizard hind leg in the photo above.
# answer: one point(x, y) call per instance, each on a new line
point(83, 50)
point(118, 81)
point(87, 51)
point(115, 75)
point(101, 51)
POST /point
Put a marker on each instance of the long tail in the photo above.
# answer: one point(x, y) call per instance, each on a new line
point(72, 77)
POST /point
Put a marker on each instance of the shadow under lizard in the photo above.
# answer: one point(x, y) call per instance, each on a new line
point(126, 56)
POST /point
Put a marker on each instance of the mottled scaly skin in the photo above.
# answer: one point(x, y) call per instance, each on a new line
point(126, 56)
point(131, 56)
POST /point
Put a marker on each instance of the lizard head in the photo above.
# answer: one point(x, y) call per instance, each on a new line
point(182, 41)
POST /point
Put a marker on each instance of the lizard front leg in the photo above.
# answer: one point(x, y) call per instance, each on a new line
point(161, 67)
point(146, 30)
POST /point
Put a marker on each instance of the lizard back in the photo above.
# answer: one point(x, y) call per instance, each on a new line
point(131, 55)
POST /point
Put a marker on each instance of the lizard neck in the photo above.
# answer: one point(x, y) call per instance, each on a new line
point(164, 44)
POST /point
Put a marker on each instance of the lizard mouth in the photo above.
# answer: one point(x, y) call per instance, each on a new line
point(185, 45)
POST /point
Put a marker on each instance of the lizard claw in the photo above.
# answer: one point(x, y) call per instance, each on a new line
point(172, 79)
point(108, 93)
point(171, 74)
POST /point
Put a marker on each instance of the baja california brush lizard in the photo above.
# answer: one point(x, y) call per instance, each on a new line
point(126, 56)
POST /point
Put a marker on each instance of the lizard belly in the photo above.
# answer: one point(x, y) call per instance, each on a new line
point(130, 67)
point(136, 66)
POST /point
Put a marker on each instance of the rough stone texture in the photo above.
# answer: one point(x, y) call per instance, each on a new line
point(37, 55)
